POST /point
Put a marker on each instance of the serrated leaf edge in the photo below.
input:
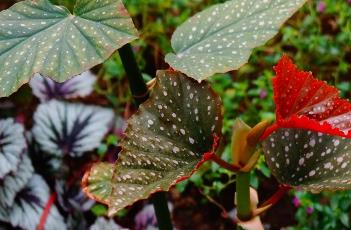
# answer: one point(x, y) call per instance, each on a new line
point(226, 69)
point(206, 156)
point(85, 181)
point(88, 67)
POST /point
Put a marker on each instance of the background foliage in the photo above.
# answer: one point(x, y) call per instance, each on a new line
point(318, 38)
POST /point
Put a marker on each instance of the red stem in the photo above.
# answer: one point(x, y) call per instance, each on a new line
point(283, 189)
point(224, 164)
point(46, 211)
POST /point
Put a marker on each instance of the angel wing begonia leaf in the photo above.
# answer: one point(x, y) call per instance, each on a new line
point(62, 128)
point(12, 145)
point(163, 144)
point(46, 89)
point(29, 205)
point(39, 37)
point(309, 145)
point(221, 38)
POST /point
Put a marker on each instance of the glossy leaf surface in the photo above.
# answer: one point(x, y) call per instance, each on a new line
point(311, 160)
point(221, 38)
point(63, 128)
point(309, 97)
point(38, 37)
point(309, 145)
point(164, 142)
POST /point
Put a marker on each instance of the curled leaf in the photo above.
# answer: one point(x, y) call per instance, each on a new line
point(164, 142)
point(221, 38)
point(309, 144)
point(39, 37)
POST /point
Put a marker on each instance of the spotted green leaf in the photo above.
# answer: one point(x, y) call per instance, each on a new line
point(221, 38)
point(164, 142)
point(38, 37)
point(311, 160)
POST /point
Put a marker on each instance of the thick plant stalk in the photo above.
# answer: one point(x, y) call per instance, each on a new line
point(140, 93)
point(244, 141)
point(159, 201)
point(136, 82)
point(243, 203)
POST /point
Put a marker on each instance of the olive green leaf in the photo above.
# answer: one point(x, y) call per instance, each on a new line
point(221, 38)
point(164, 142)
point(310, 160)
point(39, 37)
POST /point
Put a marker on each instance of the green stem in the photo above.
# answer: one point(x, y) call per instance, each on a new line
point(136, 81)
point(140, 93)
point(243, 203)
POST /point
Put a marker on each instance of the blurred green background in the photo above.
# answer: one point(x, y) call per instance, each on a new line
point(317, 37)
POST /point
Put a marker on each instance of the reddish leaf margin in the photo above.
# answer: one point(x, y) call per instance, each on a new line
point(305, 102)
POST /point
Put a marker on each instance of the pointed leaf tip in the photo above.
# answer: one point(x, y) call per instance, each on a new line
point(39, 37)
point(164, 142)
point(221, 38)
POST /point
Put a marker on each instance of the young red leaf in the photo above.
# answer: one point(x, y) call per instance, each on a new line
point(298, 95)
point(308, 144)
point(165, 141)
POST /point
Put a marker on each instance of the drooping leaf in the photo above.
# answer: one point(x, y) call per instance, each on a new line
point(12, 145)
point(46, 89)
point(38, 37)
point(63, 128)
point(308, 146)
point(29, 206)
point(13, 182)
point(221, 38)
point(311, 160)
point(164, 142)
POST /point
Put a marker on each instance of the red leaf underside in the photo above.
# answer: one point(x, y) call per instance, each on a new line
point(304, 102)
point(309, 144)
